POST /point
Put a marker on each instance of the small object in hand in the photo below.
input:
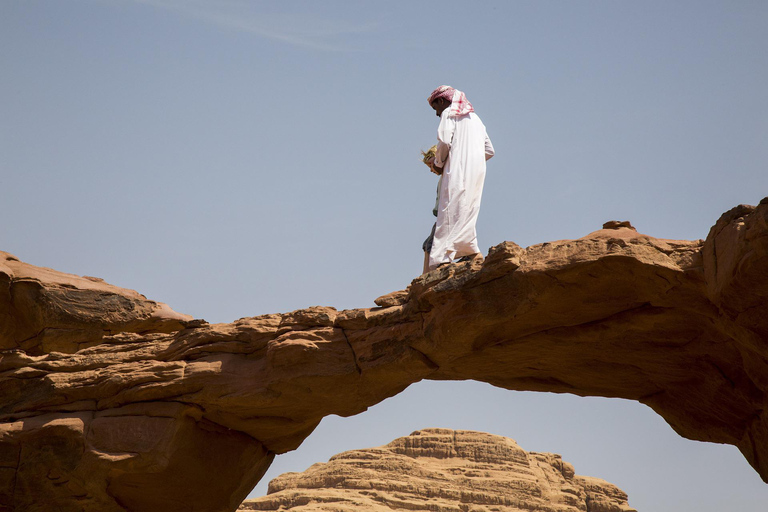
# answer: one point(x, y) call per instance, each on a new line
point(428, 157)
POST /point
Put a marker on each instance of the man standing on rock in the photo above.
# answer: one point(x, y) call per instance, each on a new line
point(463, 147)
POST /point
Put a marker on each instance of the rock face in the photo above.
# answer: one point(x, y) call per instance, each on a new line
point(119, 415)
point(442, 470)
point(43, 311)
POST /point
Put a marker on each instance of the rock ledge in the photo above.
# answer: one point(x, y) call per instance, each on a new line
point(110, 402)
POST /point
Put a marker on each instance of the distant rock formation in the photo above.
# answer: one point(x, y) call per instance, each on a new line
point(442, 470)
point(102, 409)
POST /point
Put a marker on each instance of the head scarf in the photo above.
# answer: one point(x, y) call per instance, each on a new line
point(460, 105)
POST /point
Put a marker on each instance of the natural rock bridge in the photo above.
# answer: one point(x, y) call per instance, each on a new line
point(111, 402)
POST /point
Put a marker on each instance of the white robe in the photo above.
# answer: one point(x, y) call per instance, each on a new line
point(463, 147)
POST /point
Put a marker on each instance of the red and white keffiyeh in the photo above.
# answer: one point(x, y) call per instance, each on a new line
point(460, 105)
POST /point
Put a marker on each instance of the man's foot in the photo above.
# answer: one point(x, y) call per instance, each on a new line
point(469, 257)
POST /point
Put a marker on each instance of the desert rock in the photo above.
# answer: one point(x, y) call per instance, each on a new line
point(43, 310)
point(442, 470)
point(121, 415)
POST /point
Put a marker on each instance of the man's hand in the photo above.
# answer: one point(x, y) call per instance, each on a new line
point(435, 169)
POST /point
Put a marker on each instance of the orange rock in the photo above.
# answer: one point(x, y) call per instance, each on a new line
point(126, 413)
point(43, 311)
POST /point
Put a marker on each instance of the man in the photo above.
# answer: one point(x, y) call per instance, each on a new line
point(463, 147)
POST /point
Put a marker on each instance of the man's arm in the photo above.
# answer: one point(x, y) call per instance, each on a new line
point(489, 152)
point(444, 138)
point(441, 157)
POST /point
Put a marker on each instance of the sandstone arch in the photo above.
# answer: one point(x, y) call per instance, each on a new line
point(136, 414)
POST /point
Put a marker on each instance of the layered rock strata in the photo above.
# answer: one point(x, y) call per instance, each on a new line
point(43, 311)
point(132, 418)
point(442, 470)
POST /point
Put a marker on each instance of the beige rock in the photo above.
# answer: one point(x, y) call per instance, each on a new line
point(43, 311)
point(678, 325)
point(442, 470)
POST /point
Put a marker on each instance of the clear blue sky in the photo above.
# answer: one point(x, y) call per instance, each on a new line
point(234, 158)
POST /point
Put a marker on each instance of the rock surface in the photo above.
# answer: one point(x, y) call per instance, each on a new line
point(118, 415)
point(43, 311)
point(442, 470)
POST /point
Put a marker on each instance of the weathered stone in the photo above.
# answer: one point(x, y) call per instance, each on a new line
point(43, 311)
point(392, 299)
point(681, 326)
point(442, 470)
point(616, 224)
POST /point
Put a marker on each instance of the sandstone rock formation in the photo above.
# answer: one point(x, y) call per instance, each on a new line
point(43, 311)
point(122, 416)
point(442, 470)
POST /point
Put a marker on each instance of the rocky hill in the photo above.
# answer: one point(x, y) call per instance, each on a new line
point(110, 402)
point(441, 470)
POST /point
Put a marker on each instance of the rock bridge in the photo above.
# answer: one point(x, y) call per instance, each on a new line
point(111, 402)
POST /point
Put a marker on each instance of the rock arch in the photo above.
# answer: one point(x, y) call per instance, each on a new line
point(112, 402)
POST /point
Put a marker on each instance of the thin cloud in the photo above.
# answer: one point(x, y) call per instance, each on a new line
point(296, 29)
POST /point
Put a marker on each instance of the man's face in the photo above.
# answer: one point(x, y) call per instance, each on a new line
point(440, 104)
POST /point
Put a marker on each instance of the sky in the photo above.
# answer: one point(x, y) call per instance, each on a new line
point(234, 158)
